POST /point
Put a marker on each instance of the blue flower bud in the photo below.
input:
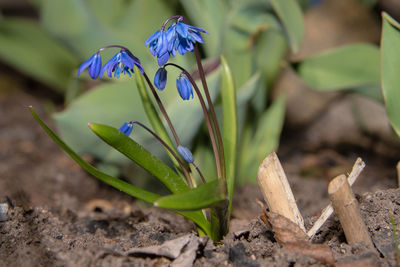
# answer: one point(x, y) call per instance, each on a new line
point(185, 154)
point(185, 88)
point(160, 79)
point(126, 128)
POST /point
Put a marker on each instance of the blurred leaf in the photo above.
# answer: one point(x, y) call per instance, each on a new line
point(115, 182)
point(289, 12)
point(139, 155)
point(110, 103)
point(265, 140)
point(209, 15)
point(203, 196)
point(230, 127)
point(390, 66)
point(25, 46)
point(352, 66)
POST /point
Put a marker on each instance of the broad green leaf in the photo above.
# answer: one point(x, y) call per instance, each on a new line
point(229, 126)
point(110, 103)
point(139, 155)
point(115, 182)
point(289, 12)
point(196, 217)
point(28, 48)
point(390, 67)
point(203, 196)
point(353, 66)
point(255, 147)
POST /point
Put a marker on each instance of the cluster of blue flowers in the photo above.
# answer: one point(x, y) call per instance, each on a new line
point(179, 37)
point(122, 62)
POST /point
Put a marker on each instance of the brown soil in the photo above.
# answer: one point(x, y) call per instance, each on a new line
point(60, 216)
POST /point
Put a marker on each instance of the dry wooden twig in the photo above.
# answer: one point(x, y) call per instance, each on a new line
point(276, 190)
point(346, 207)
point(328, 210)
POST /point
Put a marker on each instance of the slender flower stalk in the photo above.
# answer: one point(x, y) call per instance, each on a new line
point(185, 172)
point(206, 116)
point(212, 111)
point(162, 109)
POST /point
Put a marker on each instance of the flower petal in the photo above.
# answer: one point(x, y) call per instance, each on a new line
point(85, 64)
point(153, 37)
point(185, 154)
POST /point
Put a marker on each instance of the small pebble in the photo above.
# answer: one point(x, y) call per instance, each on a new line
point(3, 212)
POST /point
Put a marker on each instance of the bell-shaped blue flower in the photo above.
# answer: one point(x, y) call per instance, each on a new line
point(158, 45)
point(160, 79)
point(187, 36)
point(184, 86)
point(93, 64)
point(122, 62)
point(185, 154)
point(179, 37)
point(126, 128)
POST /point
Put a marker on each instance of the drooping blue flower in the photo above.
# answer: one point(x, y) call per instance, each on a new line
point(126, 128)
point(93, 64)
point(158, 45)
point(184, 86)
point(160, 79)
point(179, 37)
point(122, 62)
point(185, 154)
point(187, 36)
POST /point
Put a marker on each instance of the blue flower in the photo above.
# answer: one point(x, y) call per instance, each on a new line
point(179, 37)
point(160, 79)
point(185, 154)
point(158, 46)
point(185, 88)
point(93, 64)
point(126, 128)
point(122, 62)
point(187, 36)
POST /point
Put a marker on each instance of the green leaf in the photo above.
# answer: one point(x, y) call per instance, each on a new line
point(203, 196)
point(196, 217)
point(115, 182)
point(289, 12)
point(353, 66)
point(255, 147)
point(109, 103)
point(230, 127)
point(139, 155)
point(390, 66)
point(25, 46)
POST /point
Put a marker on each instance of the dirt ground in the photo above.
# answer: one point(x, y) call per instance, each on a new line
point(60, 216)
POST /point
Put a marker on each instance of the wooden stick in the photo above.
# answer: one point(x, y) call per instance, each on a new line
point(327, 212)
point(276, 190)
point(398, 173)
point(346, 207)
